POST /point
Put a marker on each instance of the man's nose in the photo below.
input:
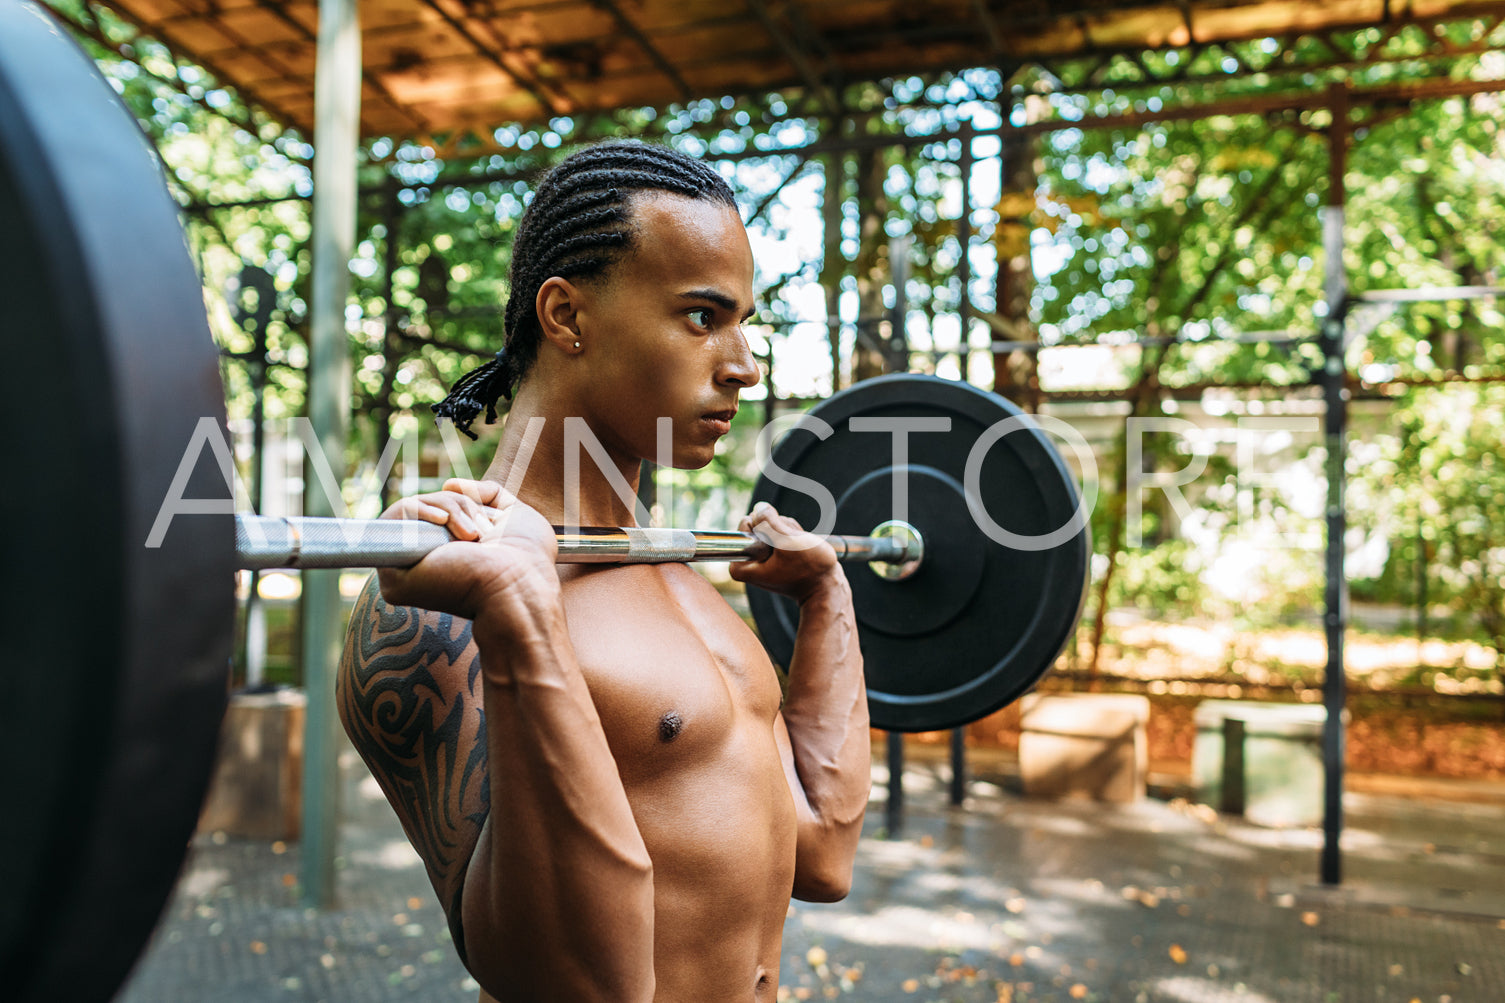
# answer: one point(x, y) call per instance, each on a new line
point(739, 367)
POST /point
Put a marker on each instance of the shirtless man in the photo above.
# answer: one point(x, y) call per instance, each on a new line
point(594, 761)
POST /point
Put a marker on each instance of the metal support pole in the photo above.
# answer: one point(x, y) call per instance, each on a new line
point(958, 765)
point(833, 265)
point(337, 90)
point(1421, 588)
point(1232, 791)
point(391, 319)
point(964, 237)
point(1334, 394)
point(253, 650)
point(893, 812)
point(898, 336)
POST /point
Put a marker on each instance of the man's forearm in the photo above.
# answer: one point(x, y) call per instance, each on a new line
point(558, 900)
point(826, 714)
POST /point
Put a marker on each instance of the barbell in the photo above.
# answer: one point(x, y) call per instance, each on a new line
point(893, 550)
point(116, 674)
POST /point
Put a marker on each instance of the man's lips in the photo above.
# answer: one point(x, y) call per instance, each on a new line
point(720, 421)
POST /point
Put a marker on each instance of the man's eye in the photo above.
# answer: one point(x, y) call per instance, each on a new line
point(703, 316)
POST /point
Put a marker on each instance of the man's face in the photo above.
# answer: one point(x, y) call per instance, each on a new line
point(662, 334)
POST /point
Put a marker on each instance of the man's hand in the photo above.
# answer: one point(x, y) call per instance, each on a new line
point(502, 564)
point(801, 564)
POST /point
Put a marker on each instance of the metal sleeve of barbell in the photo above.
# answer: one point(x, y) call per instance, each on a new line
point(870, 548)
point(264, 542)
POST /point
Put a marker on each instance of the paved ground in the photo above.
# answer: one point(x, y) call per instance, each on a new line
point(1003, 899)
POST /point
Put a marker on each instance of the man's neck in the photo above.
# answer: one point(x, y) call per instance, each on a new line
point(532, 462)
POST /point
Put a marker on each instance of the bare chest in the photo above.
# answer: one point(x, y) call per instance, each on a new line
point(674, 673)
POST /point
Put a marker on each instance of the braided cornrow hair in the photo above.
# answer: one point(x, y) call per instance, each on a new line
point(577, 226)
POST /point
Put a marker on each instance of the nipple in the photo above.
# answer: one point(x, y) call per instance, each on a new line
point(669, 726)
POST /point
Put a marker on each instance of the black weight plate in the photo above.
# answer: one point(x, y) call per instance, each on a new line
point(115, 662)
point(952, 570)
point(981, 620)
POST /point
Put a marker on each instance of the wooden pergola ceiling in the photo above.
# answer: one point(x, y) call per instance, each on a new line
point(448, 67)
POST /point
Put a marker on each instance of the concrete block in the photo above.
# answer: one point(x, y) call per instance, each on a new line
point(1261, 760)
point(256, 787)
point(1091, 745)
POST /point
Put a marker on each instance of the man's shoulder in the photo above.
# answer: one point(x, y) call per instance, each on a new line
point(402, 667)
point(386, 638)
point(408, 698)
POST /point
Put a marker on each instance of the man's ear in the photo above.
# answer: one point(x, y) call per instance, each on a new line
point(558, 305)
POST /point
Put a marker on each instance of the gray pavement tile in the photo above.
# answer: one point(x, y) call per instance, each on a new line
point(1004, 898)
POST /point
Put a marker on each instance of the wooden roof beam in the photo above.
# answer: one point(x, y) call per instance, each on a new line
point(989, 27)
point(636, 34)
point(182, 52)
point(278, 9)
point(806, 34)
point(792, 52)
point(91, 28)
point(545, 103)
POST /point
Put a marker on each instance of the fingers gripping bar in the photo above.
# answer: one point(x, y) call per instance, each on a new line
point(263, 542)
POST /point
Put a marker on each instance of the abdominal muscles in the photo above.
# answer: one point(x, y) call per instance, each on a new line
point(721, 833)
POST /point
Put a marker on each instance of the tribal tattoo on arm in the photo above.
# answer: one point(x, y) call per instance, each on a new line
point(409, 696)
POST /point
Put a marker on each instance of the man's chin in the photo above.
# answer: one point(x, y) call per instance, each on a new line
point(694, 459)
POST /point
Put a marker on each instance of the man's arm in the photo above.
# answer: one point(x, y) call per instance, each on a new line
point(557, 896)
point(558, 900)
point(409, 696)
point(822, 731)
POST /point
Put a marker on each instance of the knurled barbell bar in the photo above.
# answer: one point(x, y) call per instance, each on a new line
point(893, 550)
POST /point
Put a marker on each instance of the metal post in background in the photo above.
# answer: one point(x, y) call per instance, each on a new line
point(833, 265)
point(958, 765)
point(337, 96)
point(898, 335)
point(255, 650)
point(1421, 588)
point(893, 813)
point(1334, 393)
point(253, 299)
point(964, 236)
point(392, 315)
point(1232, 790)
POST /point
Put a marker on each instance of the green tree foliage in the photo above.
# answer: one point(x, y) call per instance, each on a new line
point(1439, 483)
point(1188, 236)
